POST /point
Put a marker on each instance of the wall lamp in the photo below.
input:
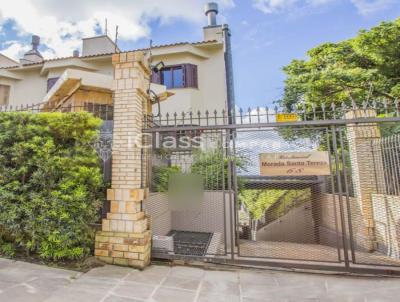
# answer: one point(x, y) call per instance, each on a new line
point(158, 67)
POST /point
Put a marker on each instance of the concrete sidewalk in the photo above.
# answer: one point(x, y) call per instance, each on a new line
point(21, 281)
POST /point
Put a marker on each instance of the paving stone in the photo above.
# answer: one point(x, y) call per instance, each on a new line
point(21, 282)
point(72, 294)
point(110, 272)
point(209, 297)
point(130, 289)
point(220, 287)
point(181, 283)
point(189, 272)
point(173, 295)
point(232, 276)
point(120, 299)
point(152, 275)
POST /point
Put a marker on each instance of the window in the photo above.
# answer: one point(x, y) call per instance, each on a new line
point(4, 94)
point(102, 111)
point(51, 82)
point(177, 76)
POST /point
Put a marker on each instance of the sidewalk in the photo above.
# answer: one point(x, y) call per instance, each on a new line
point(20, 282)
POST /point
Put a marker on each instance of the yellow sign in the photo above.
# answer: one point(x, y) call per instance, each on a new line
point(295, 164)
point(286, 117)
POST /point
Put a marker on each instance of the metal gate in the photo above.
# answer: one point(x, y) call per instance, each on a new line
point(311, 189)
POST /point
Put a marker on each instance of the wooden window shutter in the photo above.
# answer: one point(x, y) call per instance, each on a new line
point(156, 77)
point(190, 76)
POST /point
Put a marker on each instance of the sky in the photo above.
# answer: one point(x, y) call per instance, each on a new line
point(266, 34)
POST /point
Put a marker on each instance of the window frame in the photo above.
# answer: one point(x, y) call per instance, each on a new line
point(172, 68)
point(189, 76)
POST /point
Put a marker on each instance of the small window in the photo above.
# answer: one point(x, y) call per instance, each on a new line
point(178, 76)
point(172, 77)
point(51, 82)
point(4, 94)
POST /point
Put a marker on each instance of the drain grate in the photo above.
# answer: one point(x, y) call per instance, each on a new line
point(190, 243)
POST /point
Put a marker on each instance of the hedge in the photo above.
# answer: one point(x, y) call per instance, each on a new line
point(50, 184)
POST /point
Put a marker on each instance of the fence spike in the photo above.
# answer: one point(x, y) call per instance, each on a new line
point(354, 104)
point(313, 106)
point(385, 106)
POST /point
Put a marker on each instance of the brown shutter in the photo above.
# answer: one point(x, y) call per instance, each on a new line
point(156, 77)
point(190, 76)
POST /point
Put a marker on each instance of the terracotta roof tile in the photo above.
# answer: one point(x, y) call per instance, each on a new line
point(111, 53)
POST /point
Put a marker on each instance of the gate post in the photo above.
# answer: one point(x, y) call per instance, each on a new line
point(125, 238)
point(365, 179)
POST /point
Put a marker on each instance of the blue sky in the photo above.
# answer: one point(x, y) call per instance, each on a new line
point(267, 34)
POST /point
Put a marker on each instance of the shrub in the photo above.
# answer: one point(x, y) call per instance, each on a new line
point(212, 166)
point(50, 181)
point(161, 176)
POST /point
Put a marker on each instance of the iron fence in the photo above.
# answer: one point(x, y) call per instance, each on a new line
point(319, 113)
point(102, 111)
point(386, 152)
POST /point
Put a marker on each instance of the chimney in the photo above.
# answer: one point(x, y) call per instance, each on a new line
point(33, 56)
point(212, 32)
point(35, 42)
point(75, 53)
point(211, 11)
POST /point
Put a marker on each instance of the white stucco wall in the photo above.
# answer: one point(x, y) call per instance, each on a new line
point(211, 94)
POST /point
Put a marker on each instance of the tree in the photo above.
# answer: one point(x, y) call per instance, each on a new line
point(360, 69)
point(275, 202)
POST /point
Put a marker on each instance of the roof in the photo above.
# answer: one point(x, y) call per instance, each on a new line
point(111, 53)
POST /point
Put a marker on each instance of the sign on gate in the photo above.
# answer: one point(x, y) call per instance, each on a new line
point(295, 163)
point(286, 117)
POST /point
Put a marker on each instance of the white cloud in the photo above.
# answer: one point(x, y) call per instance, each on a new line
point(272, 6)
point(366, 7)
point(62, 24)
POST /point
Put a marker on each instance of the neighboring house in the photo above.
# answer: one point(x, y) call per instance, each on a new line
point(198, 74)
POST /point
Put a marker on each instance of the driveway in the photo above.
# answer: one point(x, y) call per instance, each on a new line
point(21, 281)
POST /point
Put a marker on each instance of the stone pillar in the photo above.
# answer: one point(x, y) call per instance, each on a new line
point(125, 238)
point(364, 173)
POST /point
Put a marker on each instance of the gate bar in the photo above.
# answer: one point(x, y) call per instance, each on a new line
point(346, 184)
point(166, 128)
point(342, 216)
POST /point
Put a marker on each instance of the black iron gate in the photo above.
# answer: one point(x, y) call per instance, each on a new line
point(297, 190)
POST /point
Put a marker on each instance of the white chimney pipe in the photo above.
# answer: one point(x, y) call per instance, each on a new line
point(211, 11)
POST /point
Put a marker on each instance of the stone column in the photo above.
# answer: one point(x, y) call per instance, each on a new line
point(364, 173)
point(125, 238)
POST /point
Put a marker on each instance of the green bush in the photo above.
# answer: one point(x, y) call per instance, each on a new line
point(160, 177)
point(50, 181)
point(213, 166)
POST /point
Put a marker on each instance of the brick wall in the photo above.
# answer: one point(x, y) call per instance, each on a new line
point(125, 238)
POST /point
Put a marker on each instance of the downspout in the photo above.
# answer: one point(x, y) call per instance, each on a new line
point(230, 88)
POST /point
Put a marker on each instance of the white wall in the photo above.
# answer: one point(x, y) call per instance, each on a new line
point(211, 94)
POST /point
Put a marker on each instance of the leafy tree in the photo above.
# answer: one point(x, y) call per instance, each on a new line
point(274, 202)
point(360, 69)
point(50, 182)
point(213, 166)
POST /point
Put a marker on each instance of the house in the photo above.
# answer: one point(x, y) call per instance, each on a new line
point(198, 76)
